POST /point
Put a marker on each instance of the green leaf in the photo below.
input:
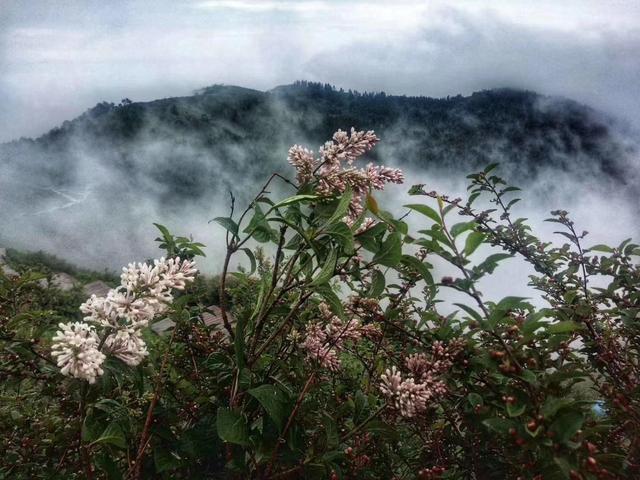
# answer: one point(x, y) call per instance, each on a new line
point(490, 167)
point(566, 326)
point(425, 210)
point(165, 460)
point(331, 429)
point(381, 429)
point(462, 227)
point(505, 305)
point(294, 199)
point(601, 248)
point(252, 259)
point(529, 377)
point(475, 315)
point(232, 427)
point(500, 425)
point(510, 189)
point(377, 284)
point(566, 425)
point(328, 269)
point(113, 435)
point(274, 401)
point(342, 208)
point(564, 466)
point(473, 241)
point(475, 399)
point(163, 230)
point(420, 267)
point(109, 405)
point(509, 303)
point(515, 410)
point(370, 239)
point(533, 322)
point(105, 463)
point(390, 252)
point(259, 228)
point(342, 234)
point(491, 262)
point(417, 189)
point(228, 224)
point(331, 298)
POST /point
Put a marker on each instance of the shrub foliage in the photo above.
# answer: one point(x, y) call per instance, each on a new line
point(336, 350)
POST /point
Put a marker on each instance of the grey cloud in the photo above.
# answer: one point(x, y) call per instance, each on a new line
point(58, 58)
point(466, 53)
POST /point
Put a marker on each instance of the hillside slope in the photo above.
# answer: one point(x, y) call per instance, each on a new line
point(180, 147)
point(90, 189)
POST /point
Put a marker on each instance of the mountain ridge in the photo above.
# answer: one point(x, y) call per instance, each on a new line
point(89, 189)
point(184, 145)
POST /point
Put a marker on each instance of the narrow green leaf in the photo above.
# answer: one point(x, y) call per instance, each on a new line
point(425, 210)
point(328, 269)
point(420, 267)
point(473, 241)
point(490, 167)
point(252, 259)
point(342, 208)
point(228, 224)
point(475, 315)
point(566, 326)
point(460, 228)
point(294, 199)
point(601, 248)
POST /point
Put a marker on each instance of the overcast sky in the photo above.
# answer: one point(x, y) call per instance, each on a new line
point(58, 58)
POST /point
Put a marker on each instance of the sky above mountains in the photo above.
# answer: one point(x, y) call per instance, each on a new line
point(59, 58)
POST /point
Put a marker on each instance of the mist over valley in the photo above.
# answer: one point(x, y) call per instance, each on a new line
point(90, 189)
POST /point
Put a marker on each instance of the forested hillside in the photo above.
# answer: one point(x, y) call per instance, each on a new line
point(180, 147)
point(90, 189)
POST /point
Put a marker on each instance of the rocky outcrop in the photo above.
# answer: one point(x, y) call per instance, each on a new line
point(97, 288)
point(6, 269)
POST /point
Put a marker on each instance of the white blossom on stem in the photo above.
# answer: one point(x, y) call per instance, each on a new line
point(326, 338)
point(75, 348)
point(145, 292)
point(334, 171)
point(127, 345)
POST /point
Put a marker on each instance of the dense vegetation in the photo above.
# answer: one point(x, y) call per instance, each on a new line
point(48, 264)
point(338, 353)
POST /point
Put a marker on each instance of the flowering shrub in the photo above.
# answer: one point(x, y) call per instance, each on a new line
point(330, 177)
point(144, 293)
point(335, 353)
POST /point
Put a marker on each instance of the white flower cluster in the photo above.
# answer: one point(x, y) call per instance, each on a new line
point(325, 339)
point(76, 348)
point(334, 170)
point(407, 396)
point(413, 395)
point(145, 291)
